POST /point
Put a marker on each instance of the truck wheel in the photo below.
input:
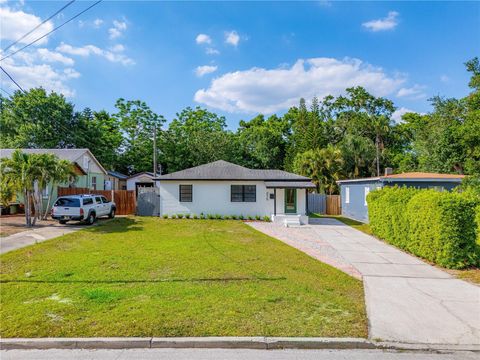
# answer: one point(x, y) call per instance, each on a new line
point(112, 214)
point(63, 222)
point(91, 218)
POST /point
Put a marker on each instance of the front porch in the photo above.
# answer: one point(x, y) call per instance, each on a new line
point(290, 205)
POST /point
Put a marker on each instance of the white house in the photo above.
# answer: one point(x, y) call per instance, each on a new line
point(143, 179)
point(224, 188)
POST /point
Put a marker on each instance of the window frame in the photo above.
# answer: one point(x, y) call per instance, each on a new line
point(245, 196)
point(94, 182)
point(181, 196)
point(366, 191)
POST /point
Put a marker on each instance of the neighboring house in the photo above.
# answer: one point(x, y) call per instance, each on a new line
point(115, 181)
point(90, 173)
point(224, 188)
point(354, 192)
point(143, 179)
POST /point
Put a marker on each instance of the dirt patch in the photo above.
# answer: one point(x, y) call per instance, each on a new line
point(10, 225)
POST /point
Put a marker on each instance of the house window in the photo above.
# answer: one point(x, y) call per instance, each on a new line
point(86, 162)
point(243, 193)
point(437, 188)
point(186, 193)
point(367, 190)
point(94, 182)
point(347, 195)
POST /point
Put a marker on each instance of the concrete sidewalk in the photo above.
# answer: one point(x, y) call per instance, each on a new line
point(36, 235)
point(407, 300)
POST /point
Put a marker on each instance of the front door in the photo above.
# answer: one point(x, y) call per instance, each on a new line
point(290, 201)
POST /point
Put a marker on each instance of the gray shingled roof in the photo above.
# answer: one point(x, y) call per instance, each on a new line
point(117, 175)
point(65, 154)
point(223, 170)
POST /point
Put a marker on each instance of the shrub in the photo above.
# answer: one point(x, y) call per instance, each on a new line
point(218, 216)
point(202, 215)
point(266, 218)
point(174, 216)
point(258, 217)
point(234, 217)
point(437, 226)
point(250, 217)
point(195, 216)
point(387, 213)
point(180, 216)
point(165, 216)
point(187, 216)
point(241, 217)
point(210, 216)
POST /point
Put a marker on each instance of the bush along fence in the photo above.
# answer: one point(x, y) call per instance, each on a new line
point(438, 226)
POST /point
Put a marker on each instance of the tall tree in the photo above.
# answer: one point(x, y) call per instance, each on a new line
point(136, 122)
point(36, 119)
point(194, 137)
point(263, 142)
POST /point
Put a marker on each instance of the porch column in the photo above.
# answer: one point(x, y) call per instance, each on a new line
point(274, 201)
point(306, 202)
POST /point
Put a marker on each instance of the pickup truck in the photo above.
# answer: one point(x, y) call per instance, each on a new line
point(87, 208)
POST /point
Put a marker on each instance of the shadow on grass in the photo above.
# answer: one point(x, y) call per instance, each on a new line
point(118, 225)
point(153, 281)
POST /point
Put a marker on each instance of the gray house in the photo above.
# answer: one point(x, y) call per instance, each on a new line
point(354, 192)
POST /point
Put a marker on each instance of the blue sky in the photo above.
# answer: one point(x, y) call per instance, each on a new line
point(242, 58)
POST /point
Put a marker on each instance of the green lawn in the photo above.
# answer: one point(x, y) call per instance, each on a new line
point(363, 227)
point(152, 277)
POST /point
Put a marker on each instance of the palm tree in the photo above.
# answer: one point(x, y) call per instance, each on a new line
point(323, 166)
point(62, 172)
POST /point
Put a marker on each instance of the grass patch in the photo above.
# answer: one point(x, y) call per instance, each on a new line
point(363, 227)
point(151, 277)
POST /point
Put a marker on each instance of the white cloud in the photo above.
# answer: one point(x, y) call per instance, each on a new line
point(97, 23)
point(16, 23)
point(203, 39)
point(387, 23)
point(212, 51)
point(35, 75)
point(414, 92)
point(397, 114)
point(205, 69)
point(53, 56)
point(232, 38)
point(444, 78)
point(117, 48)
point(271, 90)
point(87, 50)
point(117, 30)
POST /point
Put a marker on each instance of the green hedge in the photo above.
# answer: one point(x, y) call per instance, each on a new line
point(437, 226)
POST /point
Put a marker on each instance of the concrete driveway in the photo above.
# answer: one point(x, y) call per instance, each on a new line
point(407, 300)
point(36, 235)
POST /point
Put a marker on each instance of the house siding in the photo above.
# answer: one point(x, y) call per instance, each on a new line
point(357, 209)
point(213, 197)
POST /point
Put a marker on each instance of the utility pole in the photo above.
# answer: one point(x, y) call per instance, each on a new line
point(155, 150)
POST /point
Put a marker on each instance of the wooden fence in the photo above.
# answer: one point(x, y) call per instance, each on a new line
point(324, 204)
point(123, 199)
point(334, 206)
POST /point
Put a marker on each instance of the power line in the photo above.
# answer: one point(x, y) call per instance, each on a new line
point(36, 27)
point(5, 91)
point(51, 31)
point(11, 78)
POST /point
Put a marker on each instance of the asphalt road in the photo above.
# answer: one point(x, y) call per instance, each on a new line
point(231, 354)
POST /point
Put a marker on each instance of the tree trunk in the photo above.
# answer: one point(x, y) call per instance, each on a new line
point(35, 210)
point(377, 145)
point(48, 203)
point(28, 219)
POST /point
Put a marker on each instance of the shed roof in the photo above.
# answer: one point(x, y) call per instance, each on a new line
point(410, 176)
point(223, 170)
point(117, 174)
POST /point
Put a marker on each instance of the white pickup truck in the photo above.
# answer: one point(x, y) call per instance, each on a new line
point(85, 208)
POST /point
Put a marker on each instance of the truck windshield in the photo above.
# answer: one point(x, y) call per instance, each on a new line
point(68, 202)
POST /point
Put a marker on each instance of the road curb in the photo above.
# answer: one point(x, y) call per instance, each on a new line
point(265, 343)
